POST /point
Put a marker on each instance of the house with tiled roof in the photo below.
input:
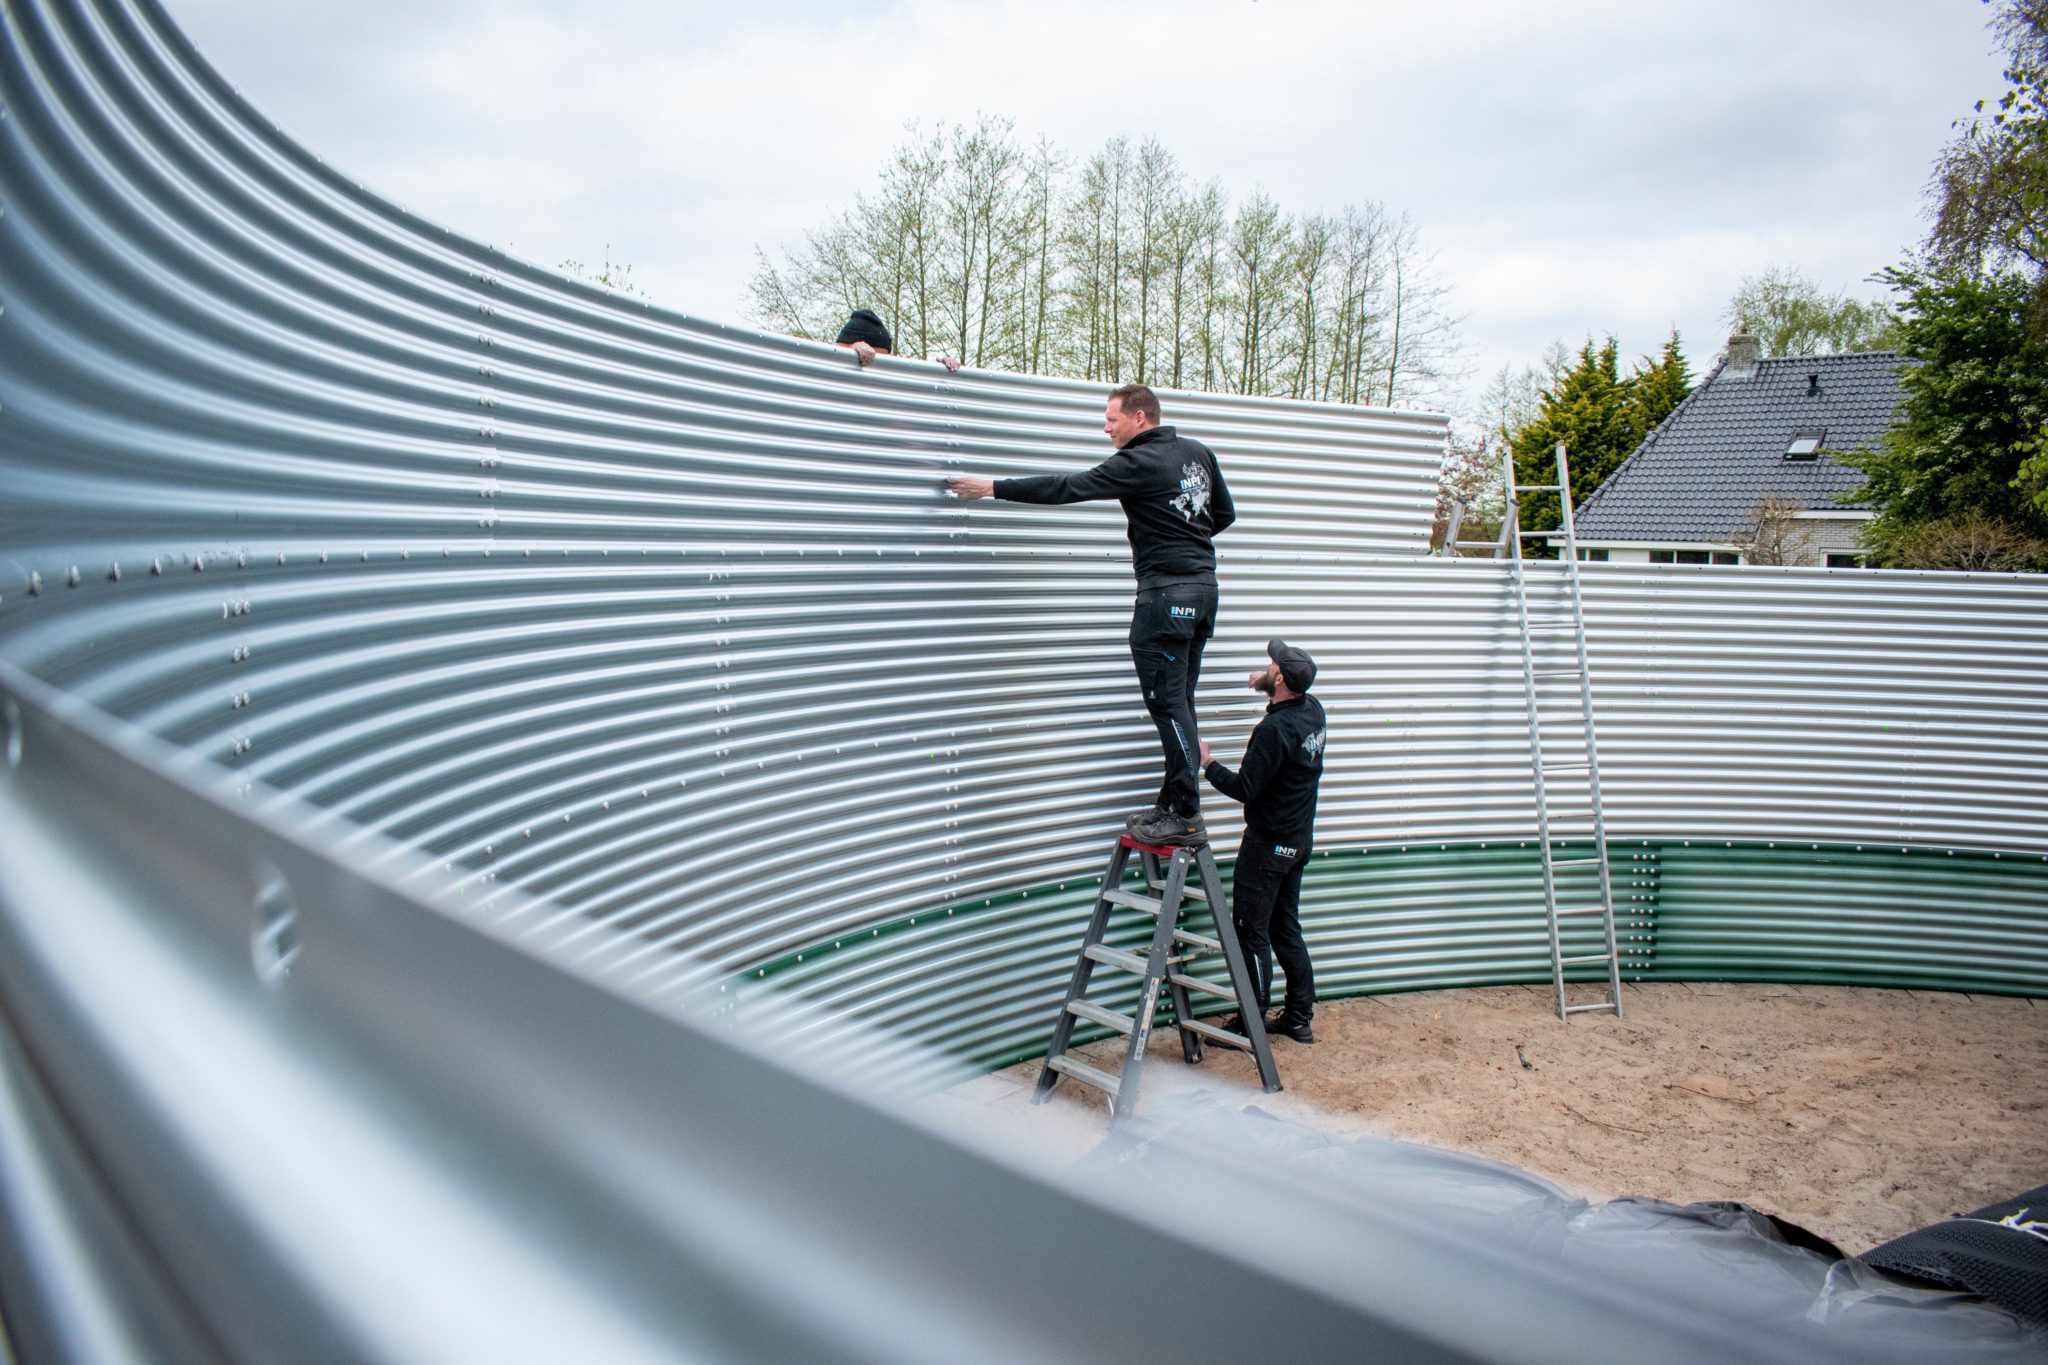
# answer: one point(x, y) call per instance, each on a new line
point(1755, 432)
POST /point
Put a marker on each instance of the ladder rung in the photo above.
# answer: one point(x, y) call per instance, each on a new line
point(1202, 941)
point(1584, 961)
point(1567, 767)
point(1581, 1009)
point(1096, 1014)
point(1551, 532)
point(1217, 1035)
point(1081, 1071)
point(1557, 672)
point(1575, 862)
point(1189, 891)
point(1149, 904)
point(1551, 627)
point(1582, 910)
point(1195, 983)
point(1115, 957)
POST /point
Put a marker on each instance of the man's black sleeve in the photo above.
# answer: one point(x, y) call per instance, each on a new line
point(1262, 759)
point(1222, 511)
point(1115, 477)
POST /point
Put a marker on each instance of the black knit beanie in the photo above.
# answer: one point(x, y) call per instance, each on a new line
point(865, 326)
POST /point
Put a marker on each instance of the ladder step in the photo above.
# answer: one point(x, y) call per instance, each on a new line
point(1556, 672)
point(1584, 961)
point(1217, 1035)
point(1189, 891)
point(1115, 957)
point(1096, 1014)
point(1535, 488)
point(1149, 904)
point(1086, 1074)
point(1581, 1009)
point(1195, 983)
point(1567, 767)
point(1582, 910)
point(1572, 862)
point(1195, 940)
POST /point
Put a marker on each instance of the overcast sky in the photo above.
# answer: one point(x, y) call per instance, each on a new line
point(1578, 167)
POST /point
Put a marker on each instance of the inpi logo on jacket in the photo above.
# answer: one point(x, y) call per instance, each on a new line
point(1194, 491)
point(1187, 612)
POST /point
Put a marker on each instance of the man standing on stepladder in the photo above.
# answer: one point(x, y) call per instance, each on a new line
point(1173, 495)
point(1283, 763)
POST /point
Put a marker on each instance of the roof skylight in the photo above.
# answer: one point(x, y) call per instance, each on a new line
point(1805, 444)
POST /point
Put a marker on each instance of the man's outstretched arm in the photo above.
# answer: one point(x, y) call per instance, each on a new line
point(1113, 478)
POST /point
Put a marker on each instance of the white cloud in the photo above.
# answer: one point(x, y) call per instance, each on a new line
point(1581, 168)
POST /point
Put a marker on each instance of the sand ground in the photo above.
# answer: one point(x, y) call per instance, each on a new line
point(1858, 1114)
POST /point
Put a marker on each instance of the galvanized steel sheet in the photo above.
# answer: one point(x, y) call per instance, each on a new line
point(660, 639)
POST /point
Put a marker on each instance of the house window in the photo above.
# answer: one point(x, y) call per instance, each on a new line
point(1848, 561)
point(1598, 556)
point(1804, 447)
point(1694, 557)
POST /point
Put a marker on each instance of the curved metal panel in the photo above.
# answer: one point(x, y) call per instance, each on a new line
point(658, 638)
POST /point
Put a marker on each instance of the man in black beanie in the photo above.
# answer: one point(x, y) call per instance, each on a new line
point(1283, 763)
point(866, 336)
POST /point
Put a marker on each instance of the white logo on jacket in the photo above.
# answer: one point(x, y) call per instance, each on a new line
point(1312, 746)
point(1194, 491)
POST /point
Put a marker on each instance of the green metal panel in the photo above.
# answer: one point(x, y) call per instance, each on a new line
point(983, 978)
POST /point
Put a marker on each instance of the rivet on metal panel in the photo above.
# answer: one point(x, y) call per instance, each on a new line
point(156, 567)
point(323, 556)
point(71, 579)
point(241, 559)
point(35, 584)
point(280, 558)
point(114, 572)
point(274, 944)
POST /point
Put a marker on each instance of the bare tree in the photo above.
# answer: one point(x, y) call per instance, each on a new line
point(1970, 541)
point(1118, 270)
point(1776, 534)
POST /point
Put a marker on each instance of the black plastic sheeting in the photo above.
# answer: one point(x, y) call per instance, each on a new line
point(1722, 1258)
point(1999, 1251)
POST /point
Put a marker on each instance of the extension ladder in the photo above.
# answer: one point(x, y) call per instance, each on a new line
point(1174, 947)
point(1573, 815)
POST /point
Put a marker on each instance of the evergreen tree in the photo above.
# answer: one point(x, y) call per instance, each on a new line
point(1599, 417)
point(1972, 436)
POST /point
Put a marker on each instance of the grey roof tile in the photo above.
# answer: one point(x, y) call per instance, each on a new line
point(1700, 475)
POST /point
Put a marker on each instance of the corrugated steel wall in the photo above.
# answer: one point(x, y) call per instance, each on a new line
point(667, 622)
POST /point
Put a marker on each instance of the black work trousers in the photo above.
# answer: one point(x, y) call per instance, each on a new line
point(1265, 906)
point(1169, 628)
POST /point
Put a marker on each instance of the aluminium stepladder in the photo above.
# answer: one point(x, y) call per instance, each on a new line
point(1173, 947)
point(1568, 801)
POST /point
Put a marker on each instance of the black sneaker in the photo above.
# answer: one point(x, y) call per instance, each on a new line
point(1298, 1030)
point(1172, 831)
point(1137, 818)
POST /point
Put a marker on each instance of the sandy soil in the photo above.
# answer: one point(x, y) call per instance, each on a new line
point(1858, 1114)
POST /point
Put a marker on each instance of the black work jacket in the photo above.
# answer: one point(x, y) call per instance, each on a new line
point(1172, 492)
point(1282, 765)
